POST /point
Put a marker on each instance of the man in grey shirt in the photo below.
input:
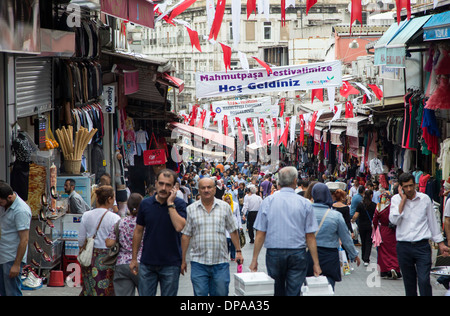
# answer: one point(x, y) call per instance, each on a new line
point(76, 203)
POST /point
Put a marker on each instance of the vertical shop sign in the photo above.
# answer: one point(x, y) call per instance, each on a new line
point(141, 12)
point(109, 98)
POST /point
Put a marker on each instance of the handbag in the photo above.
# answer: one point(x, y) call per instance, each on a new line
point(242, 240)
point(111, 258)
point(87, 250)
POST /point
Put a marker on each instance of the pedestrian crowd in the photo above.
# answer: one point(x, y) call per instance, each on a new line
point(308, 228)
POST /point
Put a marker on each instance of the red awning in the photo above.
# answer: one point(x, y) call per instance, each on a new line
point(171, 81)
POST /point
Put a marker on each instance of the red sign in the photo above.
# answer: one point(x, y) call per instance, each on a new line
point(154, 157)
point(141, 12)
point(117, 8)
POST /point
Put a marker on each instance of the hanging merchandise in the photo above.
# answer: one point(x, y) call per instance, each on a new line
point(154, 157)
point(440, 98)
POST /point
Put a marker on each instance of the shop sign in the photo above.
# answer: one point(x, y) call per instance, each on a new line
point(396, 57)
point(254, 81)
point(436, 34)
point(109, 98)
point(259, 107)
point(141, 12)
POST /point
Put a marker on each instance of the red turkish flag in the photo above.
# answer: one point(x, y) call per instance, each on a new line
point(262, 63)
point(218, 17)
point(284, 136)
point(312, 124)
point(356, 14)
point(378, 92)
point(349, 109)
point(263, 131)
point(302, 129)
point(238, 122)
point(225, 125)
point(283, 13)
point(400, 4)
point(282, 105)
point(316, 93)
point(309, 4)
point(347, 89)
point(180, 9)
point(226, 56)
point(193, 35)
point(251, 6)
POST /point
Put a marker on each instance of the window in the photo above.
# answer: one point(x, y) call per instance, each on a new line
point(231, 31)
point(267, 30)
point(250, 30)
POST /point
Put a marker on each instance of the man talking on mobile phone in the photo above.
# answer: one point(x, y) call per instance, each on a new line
point(413, 214)
point(159, 221)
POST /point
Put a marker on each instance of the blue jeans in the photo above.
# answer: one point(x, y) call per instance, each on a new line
point(414, 260)
point(210, 279)
point(288, 268)
point(167, 276)
point(8, 286)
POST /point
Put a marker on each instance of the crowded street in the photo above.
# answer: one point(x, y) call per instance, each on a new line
point(213, 148)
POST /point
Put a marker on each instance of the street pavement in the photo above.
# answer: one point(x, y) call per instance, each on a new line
point(363, 281)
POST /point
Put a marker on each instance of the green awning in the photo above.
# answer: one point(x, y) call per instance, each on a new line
point(380, 46)
point(396, 48)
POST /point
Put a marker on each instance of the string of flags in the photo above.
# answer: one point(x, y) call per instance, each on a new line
point(215, 17)
point(278, 130)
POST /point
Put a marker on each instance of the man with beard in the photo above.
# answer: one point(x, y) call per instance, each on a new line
point(15, 218)
point(163, 216)
point(76, 203)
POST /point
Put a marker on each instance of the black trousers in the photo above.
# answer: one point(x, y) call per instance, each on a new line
point(366, 244)
point(414, 259)
point(251, 217)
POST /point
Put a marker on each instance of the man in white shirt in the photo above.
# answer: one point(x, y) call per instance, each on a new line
point(412, 212)
point(252, 202)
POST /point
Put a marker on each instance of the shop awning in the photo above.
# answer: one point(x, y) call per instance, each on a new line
point(396, 48)
point(380, 46)
point(437, 27)
point(218, 138)
point(336, 135)
point(171, 81)
point(352, 125)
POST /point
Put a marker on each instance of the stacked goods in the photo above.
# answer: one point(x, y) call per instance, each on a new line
point(73, 148)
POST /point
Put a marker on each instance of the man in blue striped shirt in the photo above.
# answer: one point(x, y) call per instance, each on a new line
point(286, 225)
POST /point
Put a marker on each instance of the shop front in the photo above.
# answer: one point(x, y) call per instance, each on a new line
point(414, 123)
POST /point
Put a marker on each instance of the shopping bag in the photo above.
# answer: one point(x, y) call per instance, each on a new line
point(154, 157)
point(344, 261)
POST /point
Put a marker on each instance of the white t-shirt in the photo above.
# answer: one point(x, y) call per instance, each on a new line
point(88, 225)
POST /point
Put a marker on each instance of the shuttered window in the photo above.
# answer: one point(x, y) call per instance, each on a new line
point(33, 85)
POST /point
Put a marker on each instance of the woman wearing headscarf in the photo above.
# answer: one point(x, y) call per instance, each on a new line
point(387, 251)
point(329, 235)
point(237, 217)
